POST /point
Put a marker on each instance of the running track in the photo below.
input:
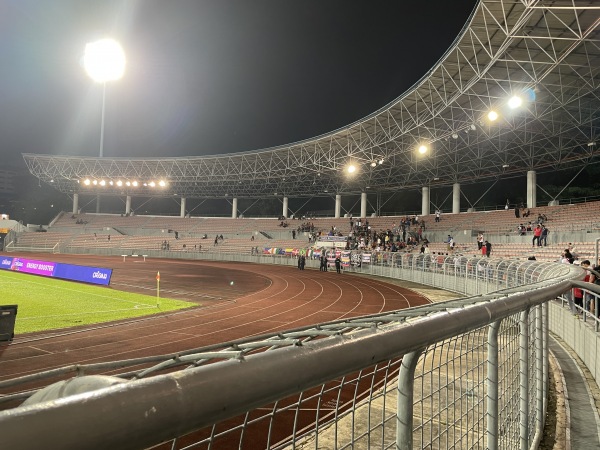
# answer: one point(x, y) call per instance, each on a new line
point(263, 299)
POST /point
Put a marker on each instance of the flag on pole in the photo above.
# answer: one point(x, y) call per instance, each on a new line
point(158, 289)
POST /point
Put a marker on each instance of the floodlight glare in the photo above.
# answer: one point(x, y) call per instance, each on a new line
point(351, 168)
point(515, 102)
point(162, 183)
point(87, 181)
point(134, 183)
point(128, 183)
point(95, 182)
point(102, 183)
point(381, 161)
point(492, 115)
point(373, 163)
point(119, 183)
point(152, 184)
point(423, 149)
point(111, 182)
point(104, 60)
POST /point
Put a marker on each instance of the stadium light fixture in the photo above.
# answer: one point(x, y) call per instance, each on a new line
point(514, 102)
point(380, 161)
point(152, 184)
point(423, 149)
point(87, 181)
point(373, 163)
point(351, 168)
point(102, 183)
point(104, 60)
point(134, 183)
point(128, 183)
point(119, 183)
point(95, 182)
point(162, 183)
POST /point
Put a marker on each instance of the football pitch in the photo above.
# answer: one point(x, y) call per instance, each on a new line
point(49, 303)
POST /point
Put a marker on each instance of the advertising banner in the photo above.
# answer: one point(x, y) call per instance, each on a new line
point(366, 258)
point(71, 272)
point(6, 263)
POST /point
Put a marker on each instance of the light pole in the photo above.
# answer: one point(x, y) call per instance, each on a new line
point(104, 61)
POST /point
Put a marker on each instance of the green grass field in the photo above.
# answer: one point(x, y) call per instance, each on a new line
point(47, 303)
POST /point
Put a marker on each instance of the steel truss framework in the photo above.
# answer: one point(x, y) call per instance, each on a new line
point(548, 52)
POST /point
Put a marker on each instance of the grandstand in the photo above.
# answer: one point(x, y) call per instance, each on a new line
point(570, 225)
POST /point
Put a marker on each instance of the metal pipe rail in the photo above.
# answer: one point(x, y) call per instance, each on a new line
point(453, 378)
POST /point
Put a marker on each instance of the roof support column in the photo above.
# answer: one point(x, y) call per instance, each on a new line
point(234, 208)
point(531, 189)
point(75, 203)
point(128, 205)
point(284, 211)
point(363, 205)
point(182, 210)
point(455, 198)
point(338, 205)
point(425, 201)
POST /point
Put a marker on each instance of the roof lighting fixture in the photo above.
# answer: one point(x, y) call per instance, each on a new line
point(152, 184)
point(102, 183)
point(162, 183)
point(380, 161)
point(111, 182)
point(95, 182)
point(423, 149)
point(134, 183)
point(492, 116)
point(473, 127)
point(454, 135)
point(145, 184)
point(119, 183)
point(514, 102)
point(504, 166)
point(351, 168)
point(373, 163)
point(104, 60)
point(128, 183)
point(87, 181)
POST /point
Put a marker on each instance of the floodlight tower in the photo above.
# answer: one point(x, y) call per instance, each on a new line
point(104, 61)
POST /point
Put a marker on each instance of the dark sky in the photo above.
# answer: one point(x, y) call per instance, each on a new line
point(206, 77)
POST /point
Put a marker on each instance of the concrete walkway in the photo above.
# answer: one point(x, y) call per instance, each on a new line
point(585, 422)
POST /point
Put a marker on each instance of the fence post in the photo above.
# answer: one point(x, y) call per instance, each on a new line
point(539, 376)
point(404, 410)
point(524, 380)
point(492, 386)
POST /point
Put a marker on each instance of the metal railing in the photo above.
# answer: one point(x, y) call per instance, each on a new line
point(466, 373)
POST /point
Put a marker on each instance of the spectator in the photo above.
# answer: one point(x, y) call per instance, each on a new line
point(537, 233)
point(488, 248)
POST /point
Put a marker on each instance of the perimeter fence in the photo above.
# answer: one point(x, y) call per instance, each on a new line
point(469, 373)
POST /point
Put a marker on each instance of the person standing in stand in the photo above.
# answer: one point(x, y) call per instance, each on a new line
point(488, 248)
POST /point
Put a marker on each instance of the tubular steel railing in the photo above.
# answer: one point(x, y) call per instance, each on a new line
point(465, 373)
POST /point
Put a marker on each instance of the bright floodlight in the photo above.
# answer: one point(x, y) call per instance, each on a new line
point(515, 102)
point(351, 168)
point(119, 183)
point(87, 181)
point(161, 183)
point(423, 149)
point(492, 115)
point(104, 60)
point(102, 183)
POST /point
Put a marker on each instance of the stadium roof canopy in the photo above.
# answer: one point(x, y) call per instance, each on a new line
point(545, 52)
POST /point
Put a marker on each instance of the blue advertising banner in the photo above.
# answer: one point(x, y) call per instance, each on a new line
point(85, 274)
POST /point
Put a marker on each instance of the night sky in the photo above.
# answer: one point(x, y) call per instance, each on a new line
point(207, 77)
